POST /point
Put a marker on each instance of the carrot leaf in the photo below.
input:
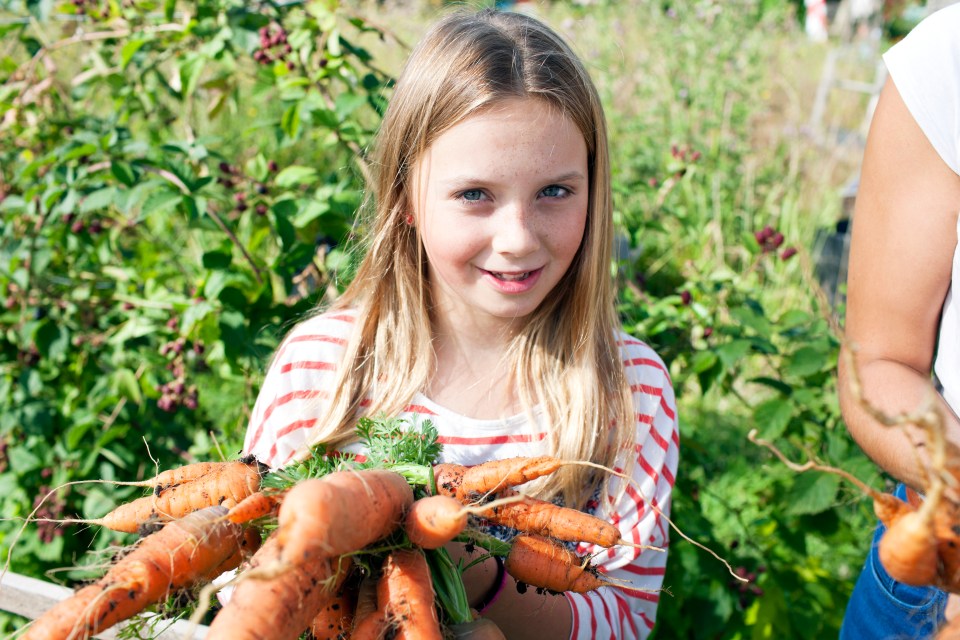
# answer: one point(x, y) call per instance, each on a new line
point(391, 441)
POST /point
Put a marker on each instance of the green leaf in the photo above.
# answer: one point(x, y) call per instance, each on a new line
point(772, 417)
point(195, 314)
point(129, 49)
point(52, 340)
point(290, 121)
point(295, 175)
point(79, 152)
point(98, 200)
point(160, 200)
point(136, 327)
point(347, 103)
point(190, 69)
point(285, 229)
point(703, 360)
point(311, 210)
point(217, 259)
point(126, 385)
point(124, 172)
point(733, 352)
point(794, 318)
point(812, 493)
point(807, 361)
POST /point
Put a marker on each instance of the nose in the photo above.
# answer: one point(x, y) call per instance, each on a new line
point(515, 230)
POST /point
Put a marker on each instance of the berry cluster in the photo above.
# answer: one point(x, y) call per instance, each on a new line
point(88, 7)
point(177, 393)
point(47, 513)
point(274, 47)
point(247, 190)
point(747, 587)
point(93, 227)
point(683, 158)
point(770, 240)
point(685, 299)
point(685, 154)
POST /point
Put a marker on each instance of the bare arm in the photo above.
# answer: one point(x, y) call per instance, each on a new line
point(904, 234)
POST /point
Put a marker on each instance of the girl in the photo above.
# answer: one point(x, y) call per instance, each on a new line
point(485, 304)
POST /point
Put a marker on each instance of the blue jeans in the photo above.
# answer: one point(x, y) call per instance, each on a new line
point(883, 609)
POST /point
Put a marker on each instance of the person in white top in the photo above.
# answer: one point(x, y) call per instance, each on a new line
point(485, 303)
point(902, 318)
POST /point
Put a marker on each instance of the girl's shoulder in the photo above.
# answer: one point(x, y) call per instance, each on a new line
point(640, 361)
point(326, 326)
point(324, 335)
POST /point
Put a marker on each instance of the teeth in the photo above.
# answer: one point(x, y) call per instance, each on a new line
point(511, 278)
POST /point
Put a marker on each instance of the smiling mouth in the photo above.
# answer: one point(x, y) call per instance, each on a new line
point(511, 277)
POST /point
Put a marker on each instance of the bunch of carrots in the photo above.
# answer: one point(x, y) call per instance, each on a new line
point(333, 547)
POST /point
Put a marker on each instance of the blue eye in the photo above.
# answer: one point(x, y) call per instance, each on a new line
point(555, 191)
point(472, 195)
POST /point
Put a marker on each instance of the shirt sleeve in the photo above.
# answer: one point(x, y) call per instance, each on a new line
point(639, 511)
point(296, 389)
point(925, 67)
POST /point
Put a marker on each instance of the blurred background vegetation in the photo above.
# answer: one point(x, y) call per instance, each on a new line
point(179, 183)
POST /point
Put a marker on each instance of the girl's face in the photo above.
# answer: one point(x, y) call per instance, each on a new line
point(501, 204)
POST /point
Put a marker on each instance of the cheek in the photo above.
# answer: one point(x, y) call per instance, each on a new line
point(449, 246)
point(568, 237)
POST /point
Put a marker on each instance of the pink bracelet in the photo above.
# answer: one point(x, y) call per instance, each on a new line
point(499, 583)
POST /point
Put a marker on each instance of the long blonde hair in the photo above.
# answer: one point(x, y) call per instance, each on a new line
point(566, 359)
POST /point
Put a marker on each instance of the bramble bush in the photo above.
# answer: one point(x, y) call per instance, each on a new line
point(179, 184)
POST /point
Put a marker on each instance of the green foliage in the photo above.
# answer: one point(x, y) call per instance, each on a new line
point(179, 182)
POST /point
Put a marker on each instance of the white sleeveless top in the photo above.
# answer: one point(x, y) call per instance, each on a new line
point(925, 67)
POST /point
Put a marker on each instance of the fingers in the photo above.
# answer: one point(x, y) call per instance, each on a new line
point(479, 629)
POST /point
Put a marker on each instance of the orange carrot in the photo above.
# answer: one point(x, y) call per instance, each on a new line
point(180, 554)
point(369, 621)
point(496, 475)
point(948, 546)
point(532, 515)
point(256, 505)
point(888, 508)
point(249, 544)
point(405, 591)
point(282, 606)
point(544, 563)
point(908, 549)
point(227, 485)
point(335, 618)
point(340, 513)
point(529, 515)
point(449, 477)
point(186, 473)
point(433, 521)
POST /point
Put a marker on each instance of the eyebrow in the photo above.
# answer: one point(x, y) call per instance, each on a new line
point(467, 180)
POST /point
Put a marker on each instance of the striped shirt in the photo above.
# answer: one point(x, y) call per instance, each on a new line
point(297, 386)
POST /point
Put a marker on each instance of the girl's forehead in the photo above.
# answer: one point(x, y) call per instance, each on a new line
point(528, 119)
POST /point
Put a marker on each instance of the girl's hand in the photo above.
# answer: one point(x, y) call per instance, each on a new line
point(479, 629)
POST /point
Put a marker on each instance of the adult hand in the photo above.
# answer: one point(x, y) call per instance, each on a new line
point(479, 629)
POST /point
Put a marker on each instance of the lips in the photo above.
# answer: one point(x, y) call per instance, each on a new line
point(513, 282)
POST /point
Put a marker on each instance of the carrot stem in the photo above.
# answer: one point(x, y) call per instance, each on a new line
point(448, 584)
